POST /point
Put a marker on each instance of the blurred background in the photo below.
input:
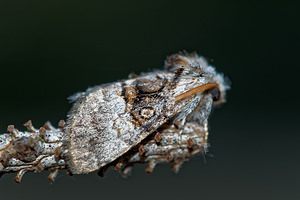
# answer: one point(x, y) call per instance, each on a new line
point(50, 50)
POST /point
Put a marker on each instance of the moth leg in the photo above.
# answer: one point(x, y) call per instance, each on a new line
point(20, 174)
point(149, 169)
point(53, 175)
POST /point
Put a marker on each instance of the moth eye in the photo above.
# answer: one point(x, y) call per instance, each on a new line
point(215, 93)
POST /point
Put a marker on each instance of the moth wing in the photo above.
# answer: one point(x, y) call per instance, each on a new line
point(108, 120)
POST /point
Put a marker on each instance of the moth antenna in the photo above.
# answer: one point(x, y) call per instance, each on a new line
point(196, 90)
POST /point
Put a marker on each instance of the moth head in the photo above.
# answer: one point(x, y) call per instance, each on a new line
point(195, 74)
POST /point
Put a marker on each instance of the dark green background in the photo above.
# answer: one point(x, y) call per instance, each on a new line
point(52, 49)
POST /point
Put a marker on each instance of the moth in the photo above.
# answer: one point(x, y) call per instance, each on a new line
point(157, 117)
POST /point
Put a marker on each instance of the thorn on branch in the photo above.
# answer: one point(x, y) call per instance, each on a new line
point(19, 176)
point(61, 123)
point(53, 175)
point(29, 126)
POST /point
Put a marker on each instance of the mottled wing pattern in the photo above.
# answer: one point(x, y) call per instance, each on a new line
point(108, 120)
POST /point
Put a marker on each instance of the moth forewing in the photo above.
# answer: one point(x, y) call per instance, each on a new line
point(109, 120)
